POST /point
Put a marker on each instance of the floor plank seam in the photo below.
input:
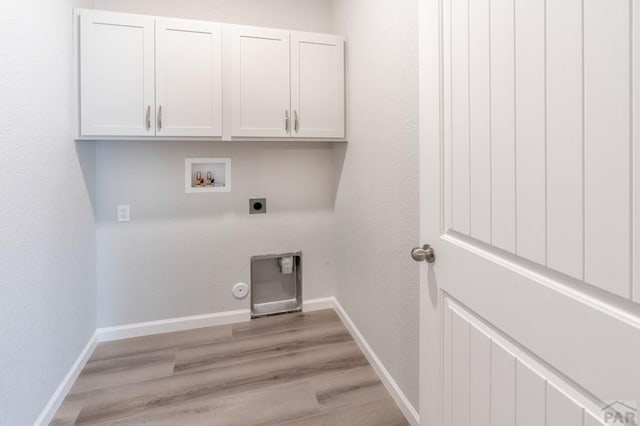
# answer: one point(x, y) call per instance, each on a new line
point(302, 368)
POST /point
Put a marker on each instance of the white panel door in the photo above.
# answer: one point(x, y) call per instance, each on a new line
point(480, 378)
point(564, 176)
point(561, 411)
point(516, 388)
point(530, 130)
point(116, 74)
point(479, 121)
point(527, 111)
point(188, 78)
point(460, 125)
point(260, 88)
point(530, 397)
point(503, 131)
point(317, 85)
point(503, 387)
point(607, 145)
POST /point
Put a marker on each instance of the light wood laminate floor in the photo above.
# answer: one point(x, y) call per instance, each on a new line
point(294, 369)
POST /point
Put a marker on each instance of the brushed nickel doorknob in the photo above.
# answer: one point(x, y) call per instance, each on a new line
point(424, 253)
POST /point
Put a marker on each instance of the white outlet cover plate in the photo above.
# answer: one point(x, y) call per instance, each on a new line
point(240, 290)
point(124, 213)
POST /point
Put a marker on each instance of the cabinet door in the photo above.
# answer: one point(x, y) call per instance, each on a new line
point(260, 82)
point(188, 78)
point(116, 74)
point(317, 85)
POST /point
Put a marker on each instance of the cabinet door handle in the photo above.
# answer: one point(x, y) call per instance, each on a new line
point(148, 118)
point(160, 117)
point(295, 120)
point(286, 120)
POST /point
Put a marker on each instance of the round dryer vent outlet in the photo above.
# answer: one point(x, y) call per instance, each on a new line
point(240, 290)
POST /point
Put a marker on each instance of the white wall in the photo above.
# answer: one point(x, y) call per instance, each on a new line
point(303, 15)
point(181, 254)
point(352, 211)
point(47, 235)
point(377, 201)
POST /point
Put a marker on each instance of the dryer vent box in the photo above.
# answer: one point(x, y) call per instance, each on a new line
point(276, 284)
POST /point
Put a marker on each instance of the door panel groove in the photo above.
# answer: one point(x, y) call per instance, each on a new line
point(538, 131)
point(607, 303)
point(525, 391)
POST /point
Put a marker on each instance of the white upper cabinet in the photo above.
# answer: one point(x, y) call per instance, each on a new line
point(117, 74)
point(286, 84)
point(317, 85)
point(260, 96)
point(145, 76)
point(188, 78)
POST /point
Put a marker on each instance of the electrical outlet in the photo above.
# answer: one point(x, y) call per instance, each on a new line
point(123, 213)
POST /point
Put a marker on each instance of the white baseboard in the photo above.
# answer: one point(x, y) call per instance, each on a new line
point(318, 304)
point(61, 392)
point(392, 387)
point(147, 328)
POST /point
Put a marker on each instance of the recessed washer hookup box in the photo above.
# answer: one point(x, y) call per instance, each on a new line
point(276, 284)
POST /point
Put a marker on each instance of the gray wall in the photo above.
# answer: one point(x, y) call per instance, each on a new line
point(303, 15)
point(181, 253)
point(363, 204)
point(352, 209)
point(47, 234)
point(377, 201)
